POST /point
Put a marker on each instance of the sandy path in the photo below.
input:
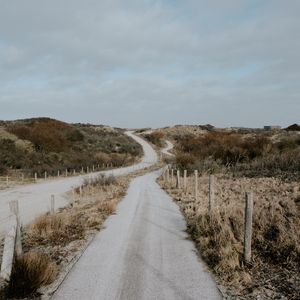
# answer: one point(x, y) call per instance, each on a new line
point(169, 147)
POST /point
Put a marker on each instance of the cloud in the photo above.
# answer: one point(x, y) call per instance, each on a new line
point(151, 63)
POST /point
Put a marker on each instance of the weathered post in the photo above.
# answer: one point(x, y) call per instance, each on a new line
point(178, 179)
point(22, 177)
point(45, 175)
point(52, 205)
point(35, 177)
point(184, 180)
point(196, 184)
point(93, 168)
point(7, 181)
point(211, 192)
point(58, 173)
point(168, 175)
point(82, 171)
point(172, 175)
point(66, 172)
point(14, 208)
point(87, 169)
point(248, 226)
point(80, 191)
point(74, 172)
point(8, 256)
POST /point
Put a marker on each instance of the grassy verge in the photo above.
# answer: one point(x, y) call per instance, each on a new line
point(274, 272)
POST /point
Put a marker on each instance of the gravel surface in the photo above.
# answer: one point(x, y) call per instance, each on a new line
point(34, 199)
point(143, 253)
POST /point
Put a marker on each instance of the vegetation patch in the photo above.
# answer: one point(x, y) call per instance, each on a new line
point(42, 144)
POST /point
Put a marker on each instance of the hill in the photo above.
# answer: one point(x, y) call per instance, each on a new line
point(44, 144)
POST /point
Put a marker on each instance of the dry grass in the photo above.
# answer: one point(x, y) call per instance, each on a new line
point(30, 271)
point(219, 235)
point(52, 240)
point(87, 213)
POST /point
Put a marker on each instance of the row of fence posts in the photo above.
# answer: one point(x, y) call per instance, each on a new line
point(66, 173)
point(168, 176)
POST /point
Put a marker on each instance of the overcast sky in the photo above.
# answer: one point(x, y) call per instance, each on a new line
point(136, 63)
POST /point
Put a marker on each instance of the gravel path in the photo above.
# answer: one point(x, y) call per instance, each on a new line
point(143, 253)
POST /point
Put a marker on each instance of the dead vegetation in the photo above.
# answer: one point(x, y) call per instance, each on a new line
point(31, 270)
point(274, 272)
point(253, 154)
point(155, 137)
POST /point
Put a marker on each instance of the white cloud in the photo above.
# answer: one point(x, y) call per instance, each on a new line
point(144, 63)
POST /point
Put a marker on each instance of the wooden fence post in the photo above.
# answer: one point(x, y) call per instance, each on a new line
point(80, 191)
point(87, 169)
point(172, 176)
point(7, 181)
point(45, 175)
point(66, 172)
point(14, 208)
point(168, 175)
point(211, 192)
point(22, 177)
point(248, 226)
point(196, 184)
point(52, 205)
point(8, 253)
point(178, 179)
point(35, 177)
point(184, 180)
point(58, 173)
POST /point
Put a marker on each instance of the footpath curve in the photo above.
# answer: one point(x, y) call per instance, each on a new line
point(34, 199)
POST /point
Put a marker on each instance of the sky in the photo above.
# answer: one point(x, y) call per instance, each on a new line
point(151, 63)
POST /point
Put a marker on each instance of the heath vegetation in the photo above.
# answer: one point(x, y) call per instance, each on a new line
point(42, 144)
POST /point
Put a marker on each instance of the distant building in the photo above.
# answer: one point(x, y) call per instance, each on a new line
point(272, 127)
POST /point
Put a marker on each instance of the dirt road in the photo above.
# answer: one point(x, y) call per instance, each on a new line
point(143, 253)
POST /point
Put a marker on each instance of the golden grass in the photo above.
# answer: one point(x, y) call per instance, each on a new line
point(30, 271)
point(219, 235)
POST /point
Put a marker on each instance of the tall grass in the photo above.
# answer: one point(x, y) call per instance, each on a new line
point(219, 235)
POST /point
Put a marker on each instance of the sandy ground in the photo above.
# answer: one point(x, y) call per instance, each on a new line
point(143, 253)
point(34, 199)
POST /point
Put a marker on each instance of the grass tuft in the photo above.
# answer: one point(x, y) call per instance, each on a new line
point(31, 270)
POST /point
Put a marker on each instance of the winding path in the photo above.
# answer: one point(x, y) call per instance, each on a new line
point(169, 147)
point(143, 253)
point(34, 199)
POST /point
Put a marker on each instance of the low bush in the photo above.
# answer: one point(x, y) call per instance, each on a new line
point(250, 155)
point(30, 271)
point(155, 137)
